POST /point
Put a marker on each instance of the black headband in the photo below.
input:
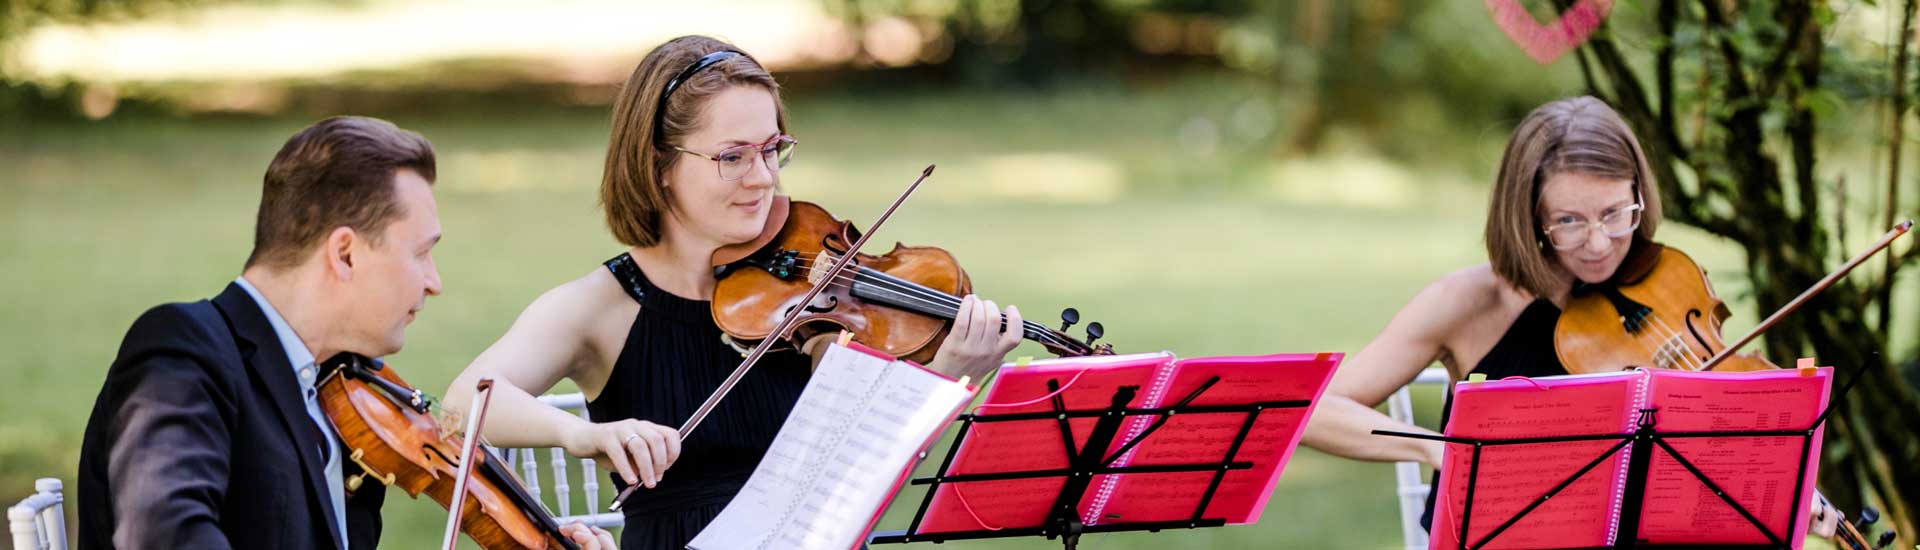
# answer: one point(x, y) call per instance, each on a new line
point(660, 110)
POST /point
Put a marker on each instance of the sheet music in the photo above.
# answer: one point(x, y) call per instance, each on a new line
point(817, 487)
point(1030, 445)
point(1513, 476)
point(1205, 438)
point(1758, 472)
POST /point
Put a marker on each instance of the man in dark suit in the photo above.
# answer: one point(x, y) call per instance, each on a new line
point(207, 432)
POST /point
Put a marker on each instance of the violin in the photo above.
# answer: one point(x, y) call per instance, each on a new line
point(1850, 534)
point(902, 302)
point(1660, 312)
point(804, 275)
point(386, 428)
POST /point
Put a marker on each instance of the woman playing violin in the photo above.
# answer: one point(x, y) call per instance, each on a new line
point(699, 137)
point(1573, 203)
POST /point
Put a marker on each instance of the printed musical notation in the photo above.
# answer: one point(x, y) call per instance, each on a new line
point(861, 413)
point(1759, 472)
point(1160, 381)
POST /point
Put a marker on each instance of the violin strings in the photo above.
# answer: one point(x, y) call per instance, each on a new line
point(1674, 344)
point(917, 294)
point(923, 295)
point(1662, 354)
point(1679, 344)
point(1653, 352)
point(1643, 347)
point(886, 280)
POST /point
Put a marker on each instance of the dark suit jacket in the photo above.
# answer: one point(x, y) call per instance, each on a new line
point(200, 439)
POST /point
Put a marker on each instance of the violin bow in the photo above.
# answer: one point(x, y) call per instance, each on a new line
point(1800, 300)
point(483, 393)
point(786, 325)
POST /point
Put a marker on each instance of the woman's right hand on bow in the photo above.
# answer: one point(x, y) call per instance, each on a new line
point(640, 451)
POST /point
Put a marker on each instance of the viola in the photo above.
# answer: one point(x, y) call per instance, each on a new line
point(386, 428)
point(1665, 316)
point(1660, 312)
point(1850, 534)
point(901, 302)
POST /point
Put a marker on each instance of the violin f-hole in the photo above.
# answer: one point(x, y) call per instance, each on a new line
point(1691, 314)
point(832, 242)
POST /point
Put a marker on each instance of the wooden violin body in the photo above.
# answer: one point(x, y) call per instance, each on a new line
point(385, 428)
point(901, 303)
point(1667, 316)
point(750, 303)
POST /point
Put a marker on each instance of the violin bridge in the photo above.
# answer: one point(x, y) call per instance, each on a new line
point(822, 263)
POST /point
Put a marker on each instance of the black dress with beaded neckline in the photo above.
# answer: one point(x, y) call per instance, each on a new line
point(674, 357)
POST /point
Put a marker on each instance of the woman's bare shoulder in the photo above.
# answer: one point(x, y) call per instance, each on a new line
point(584, 301)
point(1462, 294)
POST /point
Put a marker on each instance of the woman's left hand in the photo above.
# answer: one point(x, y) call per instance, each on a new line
point(589, 538)
point(1826, 519)
point(978, 344)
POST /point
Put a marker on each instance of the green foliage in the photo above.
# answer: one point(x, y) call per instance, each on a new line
point(1404, 75)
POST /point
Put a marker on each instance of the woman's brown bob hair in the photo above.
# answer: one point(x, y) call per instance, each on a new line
point(1580, 135)
point(640, 152)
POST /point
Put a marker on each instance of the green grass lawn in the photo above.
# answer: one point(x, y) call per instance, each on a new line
point(1049, 201)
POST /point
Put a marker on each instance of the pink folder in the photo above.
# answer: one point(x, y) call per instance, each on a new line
point(1759, 472)
point(1090, 383)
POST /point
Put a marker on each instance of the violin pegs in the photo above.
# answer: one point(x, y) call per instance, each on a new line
point(1068, 317)
point(1094, 332)
point(1868, 515)
point(1887, 537)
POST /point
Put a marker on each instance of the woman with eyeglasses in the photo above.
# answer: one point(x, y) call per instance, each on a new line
point(1573, 203)
point(699, 137)
point(1573, 200)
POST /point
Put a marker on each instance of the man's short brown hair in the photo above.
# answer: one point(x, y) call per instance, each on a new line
point(337, 172)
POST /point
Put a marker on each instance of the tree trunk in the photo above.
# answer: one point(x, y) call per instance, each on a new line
point(1742, 192)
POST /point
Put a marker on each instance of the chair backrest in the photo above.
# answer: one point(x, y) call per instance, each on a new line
point(39, 522)
point(587, 475)
point(1411, 488)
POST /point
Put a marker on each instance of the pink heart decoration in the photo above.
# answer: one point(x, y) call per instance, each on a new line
point(1545, 43)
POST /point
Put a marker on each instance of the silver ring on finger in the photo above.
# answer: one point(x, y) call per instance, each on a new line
point(629, 439)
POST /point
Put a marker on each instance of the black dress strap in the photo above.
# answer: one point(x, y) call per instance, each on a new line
point(628, 274)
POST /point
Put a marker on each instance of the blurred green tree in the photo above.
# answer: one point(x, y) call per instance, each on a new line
point(1375, 66)
point(1732, 126)
point(19, 98)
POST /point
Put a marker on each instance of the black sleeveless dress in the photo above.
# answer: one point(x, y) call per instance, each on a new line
point(1525, 350)
point(674, 357)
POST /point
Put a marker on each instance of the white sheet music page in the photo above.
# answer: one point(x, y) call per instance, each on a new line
point(840, 455)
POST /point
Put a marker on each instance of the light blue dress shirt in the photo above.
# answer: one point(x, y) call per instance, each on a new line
point(306, 370)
